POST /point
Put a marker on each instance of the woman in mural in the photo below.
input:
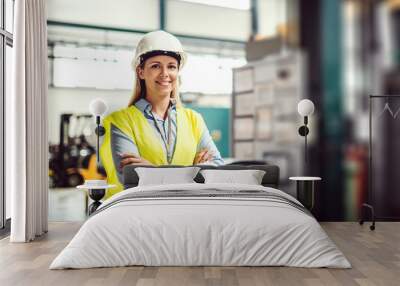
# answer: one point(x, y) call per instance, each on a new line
point(155, 129)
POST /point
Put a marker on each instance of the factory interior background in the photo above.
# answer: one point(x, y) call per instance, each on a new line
point(249, 64)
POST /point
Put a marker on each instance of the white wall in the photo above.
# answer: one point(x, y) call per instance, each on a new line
point(131, 14)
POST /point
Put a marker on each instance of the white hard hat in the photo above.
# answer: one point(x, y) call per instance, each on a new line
point(159, 43)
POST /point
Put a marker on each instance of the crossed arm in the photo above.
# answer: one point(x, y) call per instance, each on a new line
point(125, 151)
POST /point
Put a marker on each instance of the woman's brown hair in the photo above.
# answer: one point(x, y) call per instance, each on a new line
point(139, 91)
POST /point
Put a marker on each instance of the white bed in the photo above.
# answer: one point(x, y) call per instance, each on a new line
point(203, 225)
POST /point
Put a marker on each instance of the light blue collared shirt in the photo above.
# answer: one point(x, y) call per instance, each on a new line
point(121, 143)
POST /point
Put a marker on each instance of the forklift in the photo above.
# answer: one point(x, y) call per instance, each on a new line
point(73, 160)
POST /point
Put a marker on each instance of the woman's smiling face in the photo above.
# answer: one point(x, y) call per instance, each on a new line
point(160, 74)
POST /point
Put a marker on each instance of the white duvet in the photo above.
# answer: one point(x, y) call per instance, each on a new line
point(183, 231)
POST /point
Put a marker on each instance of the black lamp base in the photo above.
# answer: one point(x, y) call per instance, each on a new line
point(96, 195)
point(305, 193)
point(371, 208)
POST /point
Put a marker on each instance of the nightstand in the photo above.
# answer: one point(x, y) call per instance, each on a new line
point(305, 190)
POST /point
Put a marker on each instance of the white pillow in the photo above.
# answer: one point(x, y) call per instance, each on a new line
point(248, 177)
point(164, 176)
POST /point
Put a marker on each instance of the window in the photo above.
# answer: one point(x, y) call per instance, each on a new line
point(216, 71)
point(6, 43)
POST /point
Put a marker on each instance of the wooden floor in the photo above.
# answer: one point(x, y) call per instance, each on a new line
point(375, 257)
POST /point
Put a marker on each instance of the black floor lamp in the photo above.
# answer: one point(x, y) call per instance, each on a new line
point(305, 184)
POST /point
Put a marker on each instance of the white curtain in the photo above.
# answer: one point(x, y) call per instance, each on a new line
point(26, 117)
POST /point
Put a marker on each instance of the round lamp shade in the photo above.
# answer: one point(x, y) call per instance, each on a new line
point(305, 107)
point(97, 107)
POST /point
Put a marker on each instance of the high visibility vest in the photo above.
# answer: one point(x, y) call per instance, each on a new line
point(131, 122)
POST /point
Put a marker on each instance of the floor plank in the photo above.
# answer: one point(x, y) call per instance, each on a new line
point(375, 257)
